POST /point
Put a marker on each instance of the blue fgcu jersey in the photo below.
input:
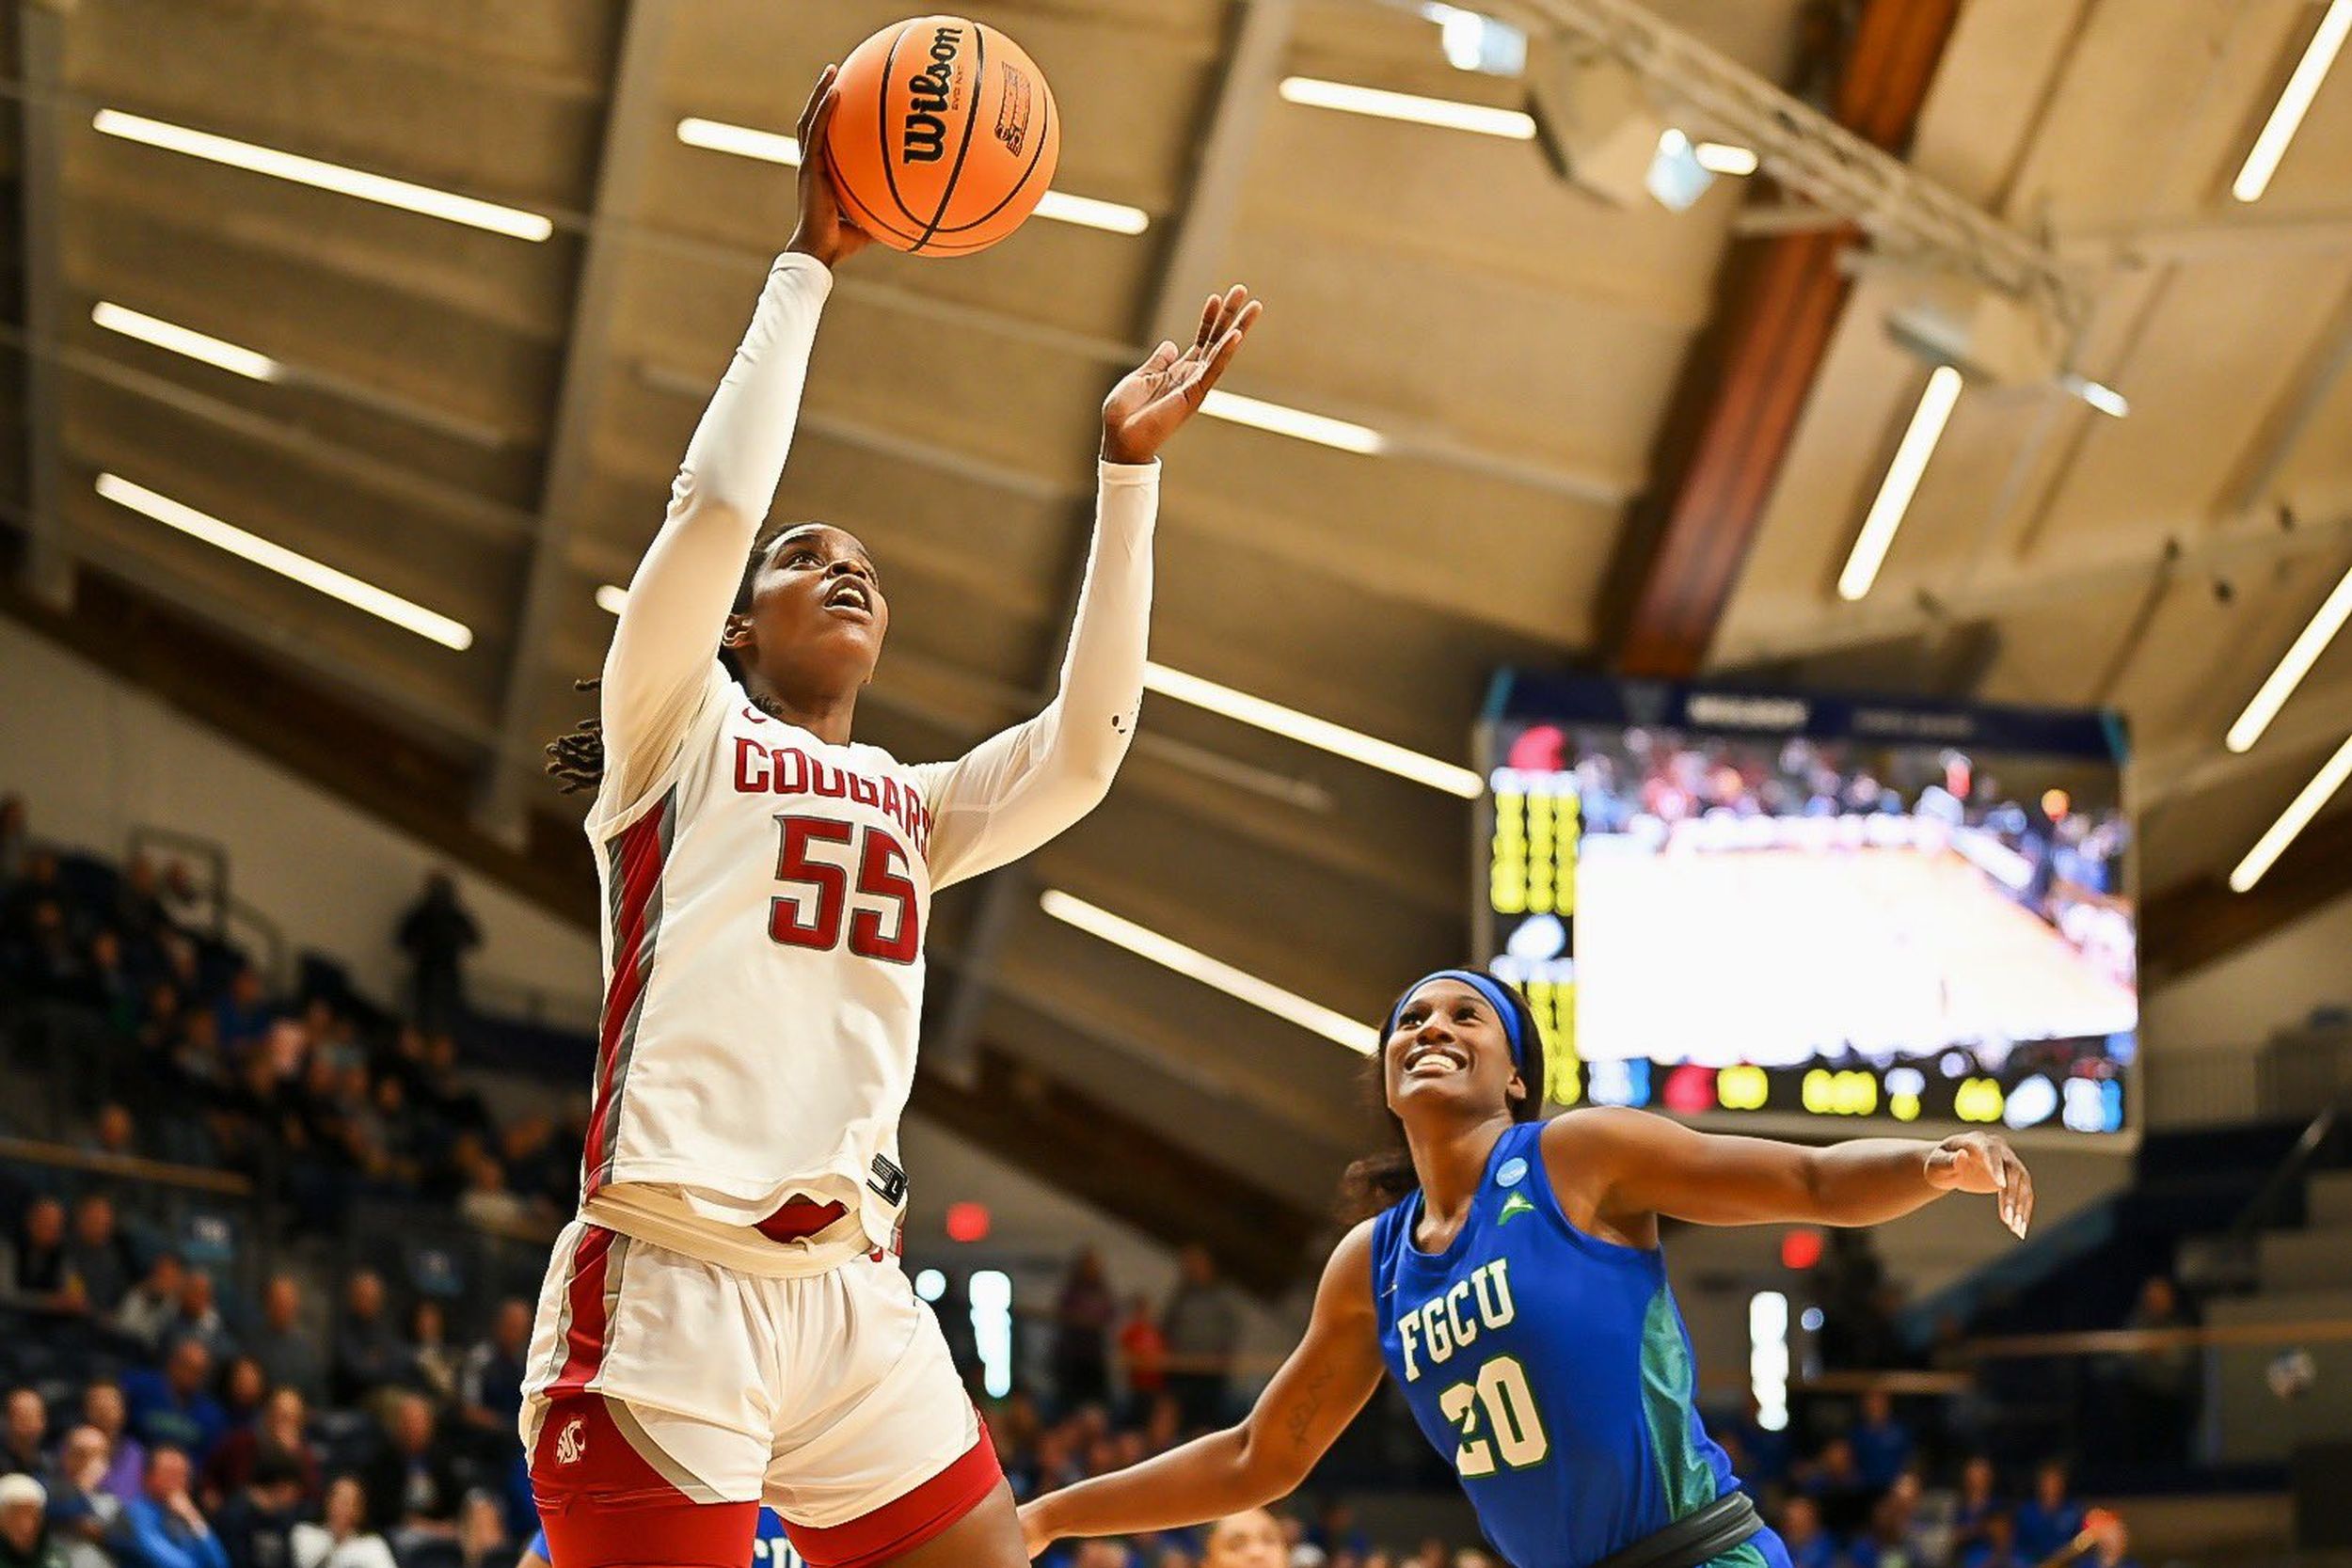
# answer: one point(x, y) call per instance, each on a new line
point(1552, 1368)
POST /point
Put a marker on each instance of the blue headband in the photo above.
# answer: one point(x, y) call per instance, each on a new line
point(1486, 985)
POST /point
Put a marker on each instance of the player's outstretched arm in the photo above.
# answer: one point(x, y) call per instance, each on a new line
point(1636, 1164)
point(1018, 789)
point(660, 665)
point(1318, 1391)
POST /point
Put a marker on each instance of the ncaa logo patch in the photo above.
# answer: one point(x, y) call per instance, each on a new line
point(571, 1444)
point(1514, 1171)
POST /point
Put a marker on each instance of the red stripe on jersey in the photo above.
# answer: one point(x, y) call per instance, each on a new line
point(637, 862)
point(586, 1325)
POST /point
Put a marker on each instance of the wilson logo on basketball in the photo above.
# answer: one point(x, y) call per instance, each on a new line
point(572, 1442)
point(930, 89)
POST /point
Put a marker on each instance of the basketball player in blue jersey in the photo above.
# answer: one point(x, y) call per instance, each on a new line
point(1512, 1283)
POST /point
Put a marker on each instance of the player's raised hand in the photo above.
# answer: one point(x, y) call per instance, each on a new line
point(1984, 1163)
point(822, 232)
point(1155, 398)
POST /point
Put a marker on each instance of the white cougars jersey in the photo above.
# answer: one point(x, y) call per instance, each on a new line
point(763, 947)
point(765, 892)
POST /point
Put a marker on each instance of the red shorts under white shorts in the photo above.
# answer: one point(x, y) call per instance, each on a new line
point(669, 1396)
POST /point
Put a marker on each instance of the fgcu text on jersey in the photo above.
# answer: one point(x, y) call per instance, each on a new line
point(1451, 1320)
point(788, 771)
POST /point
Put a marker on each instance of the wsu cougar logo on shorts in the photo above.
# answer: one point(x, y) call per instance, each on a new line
point(571, 1442)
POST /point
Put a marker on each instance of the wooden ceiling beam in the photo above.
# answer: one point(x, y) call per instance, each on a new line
point(623, 166)
point(366, 759)
point(1734, 412)
point(2184, 928)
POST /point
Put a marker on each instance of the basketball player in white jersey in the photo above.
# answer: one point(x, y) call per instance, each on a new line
point(726, 1319)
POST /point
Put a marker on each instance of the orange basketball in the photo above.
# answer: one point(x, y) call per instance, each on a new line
point(944, 137)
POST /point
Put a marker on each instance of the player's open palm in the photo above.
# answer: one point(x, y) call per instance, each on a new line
point(1984, 1163)
point(1155, 398)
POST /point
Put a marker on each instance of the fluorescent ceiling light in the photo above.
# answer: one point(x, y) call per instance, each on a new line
point(378, 602)
point(2293, 666)
point(1443, 113)
point(181, 339)
point(1309, 730)
point(1320, 428)
point(1339, 1028)
point(2294, 819)
point(717, 135)
point(612, 599)
point(1901, 481)
point(1473, 41)
point(2295, 100)
point(1675, 179)
point(1718, 157)
point(2105, 399)
point(741, 140)
point(377, 188)
point(1111, 217)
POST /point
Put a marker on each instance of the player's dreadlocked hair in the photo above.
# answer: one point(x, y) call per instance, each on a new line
point(1377, 1182)
point(575, 757)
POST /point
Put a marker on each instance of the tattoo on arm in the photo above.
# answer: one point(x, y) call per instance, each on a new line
point(1303, 1408)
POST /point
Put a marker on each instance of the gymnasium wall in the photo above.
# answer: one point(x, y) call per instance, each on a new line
point(95, 756)
point(2266, 986)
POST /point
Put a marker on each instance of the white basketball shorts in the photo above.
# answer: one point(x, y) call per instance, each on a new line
point(656, 1379)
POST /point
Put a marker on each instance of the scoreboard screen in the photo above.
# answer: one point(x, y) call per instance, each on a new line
point(1731, 903)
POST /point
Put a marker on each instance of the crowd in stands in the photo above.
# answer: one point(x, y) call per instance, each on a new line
point(1872, 1494)
point(267, 1444)
point(172, 1037)
point(156, 1415)
point(285, 1432)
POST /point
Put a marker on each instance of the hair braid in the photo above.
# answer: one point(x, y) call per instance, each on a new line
point(575, 757)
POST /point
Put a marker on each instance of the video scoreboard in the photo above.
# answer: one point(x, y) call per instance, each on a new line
point(1725, 902)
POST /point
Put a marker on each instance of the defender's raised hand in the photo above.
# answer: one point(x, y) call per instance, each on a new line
point(1156, 399)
